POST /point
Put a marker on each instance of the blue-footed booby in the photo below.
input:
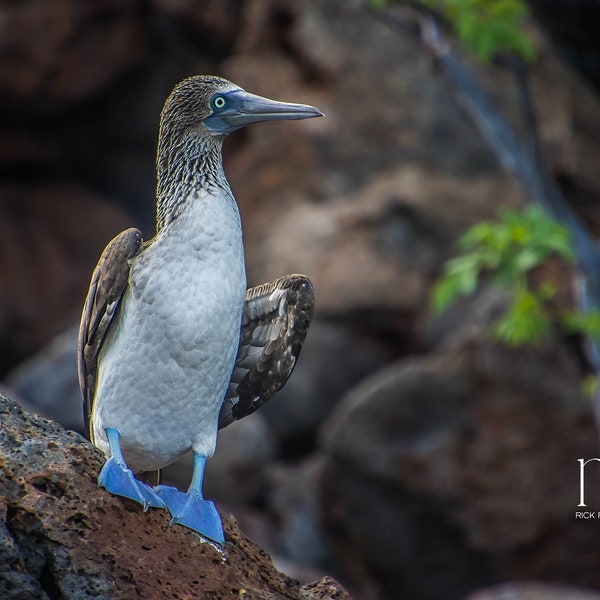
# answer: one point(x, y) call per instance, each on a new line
point(172, 346)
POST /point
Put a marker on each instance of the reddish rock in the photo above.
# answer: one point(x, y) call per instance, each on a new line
point(64, 536)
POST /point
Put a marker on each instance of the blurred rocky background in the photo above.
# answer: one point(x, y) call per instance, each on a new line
point(409, 456)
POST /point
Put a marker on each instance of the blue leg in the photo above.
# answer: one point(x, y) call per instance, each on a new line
point(119, 480)
point(191, 510)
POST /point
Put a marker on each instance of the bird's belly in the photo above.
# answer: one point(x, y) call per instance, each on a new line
point(167, 363)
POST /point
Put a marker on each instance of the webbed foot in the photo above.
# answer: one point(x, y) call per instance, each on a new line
point(119, 480)
point(191, 510)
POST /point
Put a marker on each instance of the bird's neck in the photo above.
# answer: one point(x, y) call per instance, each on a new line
point(186, 167)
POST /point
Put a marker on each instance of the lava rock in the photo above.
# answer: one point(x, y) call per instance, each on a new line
point(62, 536)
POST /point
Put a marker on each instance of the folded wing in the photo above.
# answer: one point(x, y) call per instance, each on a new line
point(109, 281)
point(274, 325)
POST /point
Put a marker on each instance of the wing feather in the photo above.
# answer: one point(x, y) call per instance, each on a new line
point(109, 280)
point(274, 325)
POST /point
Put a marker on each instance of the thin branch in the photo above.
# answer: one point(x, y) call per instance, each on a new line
point(524, 163)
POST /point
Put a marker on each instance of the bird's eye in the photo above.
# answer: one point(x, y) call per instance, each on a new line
point(219, 101)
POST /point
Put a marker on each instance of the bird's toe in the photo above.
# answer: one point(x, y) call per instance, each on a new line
point(192, 511)
point(119, 480)
point(173, 498)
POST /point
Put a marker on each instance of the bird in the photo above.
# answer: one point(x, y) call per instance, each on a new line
point(172, 346)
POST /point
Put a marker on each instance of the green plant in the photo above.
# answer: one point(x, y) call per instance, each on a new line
point(507, 251)
point(485, 27)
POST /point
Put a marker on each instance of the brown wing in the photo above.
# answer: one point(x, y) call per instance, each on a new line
point(274, 324)
point(109, 280)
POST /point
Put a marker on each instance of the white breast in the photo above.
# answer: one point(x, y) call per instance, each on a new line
point(167, 363)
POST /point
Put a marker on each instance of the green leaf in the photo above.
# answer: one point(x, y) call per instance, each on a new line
point(480, 233)
point(378, 4)
point(528, 258)
point(526, 321)
point(591, 387)
point(488, 27)
point(546, 291)
point(506, 251)
point(461, 279)
point(587, 323)
point(443, 294)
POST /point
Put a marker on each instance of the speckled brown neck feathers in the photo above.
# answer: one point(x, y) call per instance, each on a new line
point(189, 155)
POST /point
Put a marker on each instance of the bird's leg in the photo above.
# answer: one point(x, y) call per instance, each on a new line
point(191, 509)
point(119, 480)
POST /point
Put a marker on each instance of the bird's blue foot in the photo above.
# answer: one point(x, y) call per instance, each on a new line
point(119, 480)
point(173, 498)
point(191, 510)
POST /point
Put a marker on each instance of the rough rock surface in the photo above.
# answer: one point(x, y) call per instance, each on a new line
point(63, 537)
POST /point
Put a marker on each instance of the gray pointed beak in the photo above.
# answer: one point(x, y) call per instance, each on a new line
point(243, 108)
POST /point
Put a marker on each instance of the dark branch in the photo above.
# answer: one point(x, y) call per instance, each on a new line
point(524, 163)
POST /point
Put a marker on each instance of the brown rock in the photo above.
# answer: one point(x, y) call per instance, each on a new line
point(325, 589)
point(461, 469)
point(59, 52)
point(308, 397)
point(48, 246)
point(398, 145)
point(64, 536)
point(210, 23)
point(367, 201)
point(377, 249)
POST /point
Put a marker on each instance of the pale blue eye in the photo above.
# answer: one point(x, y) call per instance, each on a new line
point(219, 101)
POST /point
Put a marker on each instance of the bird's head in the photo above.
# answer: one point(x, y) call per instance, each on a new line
point(213, 106)
point(196, 117)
